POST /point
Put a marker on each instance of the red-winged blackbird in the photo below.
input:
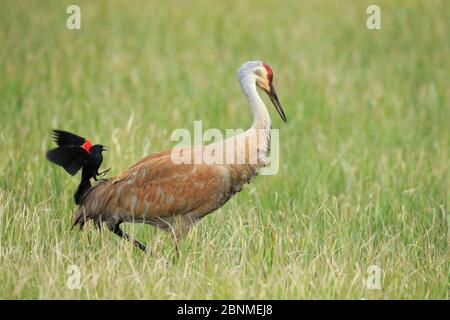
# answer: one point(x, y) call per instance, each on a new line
point(73, 153)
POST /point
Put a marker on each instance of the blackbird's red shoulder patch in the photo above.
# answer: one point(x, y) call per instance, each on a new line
point(87, 145)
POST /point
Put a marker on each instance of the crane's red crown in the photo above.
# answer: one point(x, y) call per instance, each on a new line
point(269, 72)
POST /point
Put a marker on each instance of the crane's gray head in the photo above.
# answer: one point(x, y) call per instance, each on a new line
point(263, 77)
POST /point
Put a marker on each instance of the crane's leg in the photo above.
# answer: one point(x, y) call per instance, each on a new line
point(116, 229)
point(176, 239)
point(179, 229)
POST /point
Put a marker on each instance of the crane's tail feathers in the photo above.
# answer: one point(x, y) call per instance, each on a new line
point(82, 216)
point(79, 218)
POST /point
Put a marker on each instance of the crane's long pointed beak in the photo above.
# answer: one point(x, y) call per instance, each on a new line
point(276, 102)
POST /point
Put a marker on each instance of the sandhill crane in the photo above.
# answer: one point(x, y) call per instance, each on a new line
point(174, 196)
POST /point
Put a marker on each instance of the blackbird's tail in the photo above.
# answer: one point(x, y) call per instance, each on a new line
point(84, 186)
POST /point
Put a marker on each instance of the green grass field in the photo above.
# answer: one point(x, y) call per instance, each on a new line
point(364, 175)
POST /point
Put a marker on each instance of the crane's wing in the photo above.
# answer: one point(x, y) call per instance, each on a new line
point(71, 158)
point(64, 138)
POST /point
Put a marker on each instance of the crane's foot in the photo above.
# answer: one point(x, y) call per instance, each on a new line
point(116, 229)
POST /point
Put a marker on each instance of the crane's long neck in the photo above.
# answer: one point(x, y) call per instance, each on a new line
point(259, 145)
point(261, 118)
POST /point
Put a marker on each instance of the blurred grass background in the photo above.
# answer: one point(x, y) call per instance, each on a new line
point(364, 176)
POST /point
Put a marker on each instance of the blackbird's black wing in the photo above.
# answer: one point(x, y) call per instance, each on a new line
point(71, 158)
point(64, 138)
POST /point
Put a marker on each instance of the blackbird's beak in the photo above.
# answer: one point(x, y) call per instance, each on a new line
point(276, 102)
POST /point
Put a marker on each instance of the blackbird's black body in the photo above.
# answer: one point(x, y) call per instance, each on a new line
point(74, 153)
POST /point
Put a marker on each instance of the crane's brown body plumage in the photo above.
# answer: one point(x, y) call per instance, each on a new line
point(159, 192)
